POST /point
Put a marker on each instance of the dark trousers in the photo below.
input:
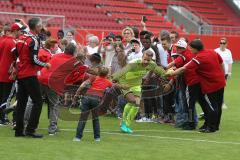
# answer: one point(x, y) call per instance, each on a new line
point(193, 95)
point(213, 107)
point(6, 92)
point(28, 87)
point(168, 103)
point(89, 105)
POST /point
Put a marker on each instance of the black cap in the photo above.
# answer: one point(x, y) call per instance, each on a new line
point(135, 41)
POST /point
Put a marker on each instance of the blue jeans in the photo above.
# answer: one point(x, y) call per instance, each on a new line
point(89, 105)
point(181, 108)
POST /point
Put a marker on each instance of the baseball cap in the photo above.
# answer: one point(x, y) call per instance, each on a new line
point(181, 43)
point(135, 41)
point(17, 27)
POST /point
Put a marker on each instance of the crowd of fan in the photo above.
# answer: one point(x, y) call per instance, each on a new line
point(37, 55)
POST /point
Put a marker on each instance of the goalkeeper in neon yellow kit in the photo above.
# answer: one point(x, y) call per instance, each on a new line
point(130, 79)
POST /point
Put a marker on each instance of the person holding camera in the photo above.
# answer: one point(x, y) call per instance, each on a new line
point(107, 49)
point(135, 53)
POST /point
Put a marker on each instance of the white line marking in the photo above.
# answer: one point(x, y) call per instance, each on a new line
point(159, 137)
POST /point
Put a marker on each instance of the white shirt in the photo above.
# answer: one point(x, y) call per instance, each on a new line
point(74, 42)
point(132, 57)
point(59, 51)
point(163, 55)
point(227, 58)
point(127, 48)
point(92, 50)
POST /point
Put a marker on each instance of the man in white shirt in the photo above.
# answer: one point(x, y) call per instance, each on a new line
point(136, 53)
point(226, 56)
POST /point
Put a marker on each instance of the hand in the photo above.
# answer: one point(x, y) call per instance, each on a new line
point(169, 72)
point(74, 100)
point(143, 23)
point(166, 88)
point(48, 65)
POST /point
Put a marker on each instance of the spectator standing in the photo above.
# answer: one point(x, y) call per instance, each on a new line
point(27, 49)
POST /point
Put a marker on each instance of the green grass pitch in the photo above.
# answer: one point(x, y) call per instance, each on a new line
point(148, 142)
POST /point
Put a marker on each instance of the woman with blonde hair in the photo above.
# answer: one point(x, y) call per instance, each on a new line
point(128, 35)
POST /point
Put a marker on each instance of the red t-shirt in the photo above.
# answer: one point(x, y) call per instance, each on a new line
point(44, 55)
point(7, 57)
point(98, 86)
point(1, 44)
point(56, 61)
point(190, 76)
point(208, 67)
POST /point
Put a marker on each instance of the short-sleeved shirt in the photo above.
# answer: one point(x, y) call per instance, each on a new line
point(163, 55)
point(190, 76)
point(56, 61)
point(7, 57)
point(98, 86)
point(132, 57)
point(208, 66)
point(227, 58)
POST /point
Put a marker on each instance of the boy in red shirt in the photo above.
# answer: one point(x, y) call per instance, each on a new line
point(90, 101)
point(192, 90)
point(208, 65)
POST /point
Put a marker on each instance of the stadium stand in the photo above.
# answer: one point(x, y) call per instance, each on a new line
point(116, 14)
point(216, 12)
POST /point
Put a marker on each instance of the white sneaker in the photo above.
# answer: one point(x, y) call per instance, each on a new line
point(143, 119)
point(149, 120)
point(97, 140)
point(224, 106)
point(76, 139)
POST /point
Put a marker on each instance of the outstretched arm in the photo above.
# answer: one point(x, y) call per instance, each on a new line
point(159, 71)
point(178, 71)
point(82, 87)
point(116, 76)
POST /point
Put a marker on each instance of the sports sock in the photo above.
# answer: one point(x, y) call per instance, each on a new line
point(132, 114)
point(126, 111)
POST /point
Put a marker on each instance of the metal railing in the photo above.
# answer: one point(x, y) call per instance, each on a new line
point(204, 24)
point(45, 17)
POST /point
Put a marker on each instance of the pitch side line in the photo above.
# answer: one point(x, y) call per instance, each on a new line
point(160, 137)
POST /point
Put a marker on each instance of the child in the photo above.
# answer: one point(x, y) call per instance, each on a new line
point(90, 101)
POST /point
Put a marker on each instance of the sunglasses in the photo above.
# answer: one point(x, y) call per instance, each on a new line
point(222, 42)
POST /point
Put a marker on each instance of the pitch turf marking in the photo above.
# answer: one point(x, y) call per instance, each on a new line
point(160, 137)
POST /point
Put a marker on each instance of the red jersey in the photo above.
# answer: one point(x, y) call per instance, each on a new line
point(27, 49)
point(190, 76)
point(56, 61)
point(7, 57)
point(1, 44)
point(44, 55)
point(209, 69)
point(98, 86)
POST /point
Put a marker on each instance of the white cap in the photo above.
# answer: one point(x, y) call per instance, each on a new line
point(181, 43)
